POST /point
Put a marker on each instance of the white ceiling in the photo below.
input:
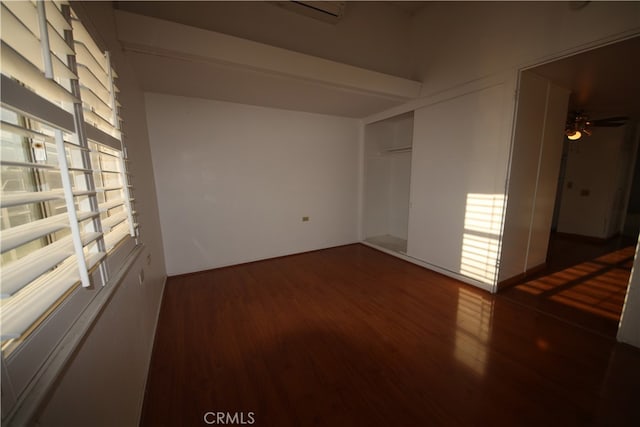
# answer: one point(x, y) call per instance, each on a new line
point(370, 35)
point(248, 86)
point(187, 61)
point(603, 82)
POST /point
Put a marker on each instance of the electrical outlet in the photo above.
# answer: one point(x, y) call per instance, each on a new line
point(305, 218)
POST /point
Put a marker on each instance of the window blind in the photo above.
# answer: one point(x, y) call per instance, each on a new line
point(46, 220)
point(97, 87)
point(101, 112)
point(114, 201)
point(66, 201)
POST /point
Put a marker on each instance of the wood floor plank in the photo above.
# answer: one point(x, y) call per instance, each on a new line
point(350, 336)
point(585, 283)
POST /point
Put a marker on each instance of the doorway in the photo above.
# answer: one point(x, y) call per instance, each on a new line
point(594, 229)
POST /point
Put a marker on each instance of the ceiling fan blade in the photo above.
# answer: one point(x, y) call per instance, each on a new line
point(607, 124)
point(611, 119)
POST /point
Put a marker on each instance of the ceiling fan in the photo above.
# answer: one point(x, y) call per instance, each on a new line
point(578, 124)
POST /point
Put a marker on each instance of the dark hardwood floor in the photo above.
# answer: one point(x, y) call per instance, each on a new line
point(568, 250)
point(350, 336)
point(585, 282)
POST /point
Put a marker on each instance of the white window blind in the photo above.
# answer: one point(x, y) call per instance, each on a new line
point(113, 197)
point(99, 95)
point(65, 202)
point(23, 50)
point(97, 86)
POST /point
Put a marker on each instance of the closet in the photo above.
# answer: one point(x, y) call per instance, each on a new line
point(387, 176)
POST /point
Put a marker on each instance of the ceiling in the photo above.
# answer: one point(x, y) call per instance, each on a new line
point(188, 61)
point(224, 82)
point(604, 82)
point(409, 7)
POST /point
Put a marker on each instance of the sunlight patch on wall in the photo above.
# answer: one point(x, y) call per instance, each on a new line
point(481, 239)
point(473, 330)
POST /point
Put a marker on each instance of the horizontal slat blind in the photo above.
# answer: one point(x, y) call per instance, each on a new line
point(129, 197)
point(95, 75)
point(59, 46)
point(112, 221)
point(22, 56)
point(21, 234)
point(101, 112)
point(19, 273)
point(19, 312)
point(22, 36)
point(19, 98)
point(19, 198)
point(55, 17)
point(112, 194)
point(66, 201)
point(37, 236)
point(107, 206)
point(50, 224)
point(22, 131)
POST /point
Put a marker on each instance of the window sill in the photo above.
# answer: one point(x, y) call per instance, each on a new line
point(31, 399)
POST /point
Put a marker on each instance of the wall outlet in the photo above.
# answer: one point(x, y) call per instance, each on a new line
point(305, 218)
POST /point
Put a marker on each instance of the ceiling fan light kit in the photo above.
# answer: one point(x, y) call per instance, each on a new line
point(578, 124)
point(573, 135)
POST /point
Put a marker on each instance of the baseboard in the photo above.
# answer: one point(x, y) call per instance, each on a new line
point(586, 239)
point(452, 274)
point(152, 350)
point(519, 278)
point(269, 258)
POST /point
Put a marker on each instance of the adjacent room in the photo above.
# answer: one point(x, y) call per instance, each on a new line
point(594, 227)
point(320, 213)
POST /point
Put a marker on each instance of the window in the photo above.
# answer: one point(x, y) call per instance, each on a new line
point(66, 203)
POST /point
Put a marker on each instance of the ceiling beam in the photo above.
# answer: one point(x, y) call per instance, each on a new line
point(155, 36)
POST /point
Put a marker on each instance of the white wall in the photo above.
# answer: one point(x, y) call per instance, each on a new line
point(629, 330)
point(104, 382)
point(592, 186)
point(234, 181)
point(535, 164)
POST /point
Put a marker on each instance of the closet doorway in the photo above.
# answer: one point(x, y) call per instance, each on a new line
point(387, 178)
